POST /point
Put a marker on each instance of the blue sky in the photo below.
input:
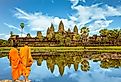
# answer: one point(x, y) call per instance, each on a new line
point(39, 14)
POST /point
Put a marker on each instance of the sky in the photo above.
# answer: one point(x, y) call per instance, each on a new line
point(39, 14)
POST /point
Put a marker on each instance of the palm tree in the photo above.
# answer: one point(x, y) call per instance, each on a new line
point(84, 35)
point(104, 33)
point(11, 33)
point(119, 37)
point(114, 34)
point(22, 27)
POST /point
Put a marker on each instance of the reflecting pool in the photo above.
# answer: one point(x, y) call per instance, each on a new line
point(68, 69)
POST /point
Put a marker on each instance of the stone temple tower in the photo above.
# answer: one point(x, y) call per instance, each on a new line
point(61, 27)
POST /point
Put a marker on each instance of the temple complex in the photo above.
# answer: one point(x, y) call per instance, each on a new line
point(66, 38)
point(52, 38)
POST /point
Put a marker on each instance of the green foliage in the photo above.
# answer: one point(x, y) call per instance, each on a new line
point(4, 43)
point(104, 32)
point(28, 35)
point(84, 35)
point(110, 35)
point(22, 25)
point(11, 33)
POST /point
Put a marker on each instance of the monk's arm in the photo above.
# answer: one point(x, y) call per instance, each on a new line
point(16, 63)
point(30, 58)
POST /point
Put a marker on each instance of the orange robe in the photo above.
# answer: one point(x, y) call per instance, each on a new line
point(15, 63)
point(26, 59)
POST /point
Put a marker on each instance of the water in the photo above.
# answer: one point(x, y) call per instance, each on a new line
point(58, 69)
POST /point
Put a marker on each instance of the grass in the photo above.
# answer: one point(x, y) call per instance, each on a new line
point(65, 49)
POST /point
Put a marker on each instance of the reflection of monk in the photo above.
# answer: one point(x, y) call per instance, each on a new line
point(15, 62)
point(26, 59)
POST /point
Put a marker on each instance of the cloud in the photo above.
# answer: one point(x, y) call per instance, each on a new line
point(75, 2)
point(97, 74)
point(98, 25)
point(86, 14)
point(1, 34)
point(83, 1)
point(13, 27)
point(94, 16)
point(52, 1)
point(37, 21)
point(4, 36)
point(7, 36)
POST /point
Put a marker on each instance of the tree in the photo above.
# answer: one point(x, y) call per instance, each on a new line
point(85, 65)
point(4, 43)
point(22, 27)
point(104, 33)
point(113, 36)
point(119, 37)
point(28, 35)
point(11, 33)
point(84, 35)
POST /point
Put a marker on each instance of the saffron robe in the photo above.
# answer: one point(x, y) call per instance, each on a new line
point(15, 63)
point(26, 59)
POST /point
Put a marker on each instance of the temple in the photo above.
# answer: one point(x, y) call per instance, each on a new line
point(68, 38)
point(52, 38)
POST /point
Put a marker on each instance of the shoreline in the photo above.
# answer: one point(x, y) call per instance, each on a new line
point(12, 81)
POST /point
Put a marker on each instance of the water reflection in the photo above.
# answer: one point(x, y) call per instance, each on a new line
point(62, 61)
point(69, 68)
point(111, 63)
point(108, 60)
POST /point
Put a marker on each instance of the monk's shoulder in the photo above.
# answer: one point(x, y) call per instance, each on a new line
point(13, 51)
point(26, 47)
point(21, 48)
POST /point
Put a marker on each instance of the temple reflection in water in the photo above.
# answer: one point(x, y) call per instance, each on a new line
point(62, 61)
point(107, 60)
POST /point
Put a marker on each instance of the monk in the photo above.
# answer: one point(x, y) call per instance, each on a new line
point(15, 62)
point(26, 60)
